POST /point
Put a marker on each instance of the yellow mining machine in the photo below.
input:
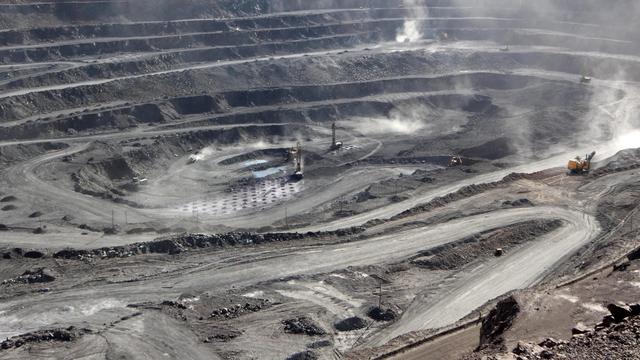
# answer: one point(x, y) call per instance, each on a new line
point(579, 165)
point(455, 160)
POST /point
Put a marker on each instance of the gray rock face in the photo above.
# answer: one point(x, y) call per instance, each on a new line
point(498, 321)
point(350, 324)
point(619, 312)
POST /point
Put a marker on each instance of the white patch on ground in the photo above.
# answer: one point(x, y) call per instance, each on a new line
point(202, 155)
point(91, 309)
point(360, 275)
point(339, 276)
point(254, 294)
point(634, 283)
point(394, 125)
point(254, 162)
point(270, 171)
point(5, 329)
point(265, 194)
point(595, 307)
point(317, 299)
point(334, 293)
point(570, 298)
point(344, 341)
point(190, 299)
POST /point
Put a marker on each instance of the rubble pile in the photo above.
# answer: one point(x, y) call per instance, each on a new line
point(179, 243)
point(305, 355)
point(350, 324)
point(617, 336)
point(61, 335)
point(380, 314)
point(302, 325)
point(238, 310)
point(40, 275)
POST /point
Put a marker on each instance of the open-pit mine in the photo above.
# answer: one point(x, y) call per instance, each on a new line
point(332, 179)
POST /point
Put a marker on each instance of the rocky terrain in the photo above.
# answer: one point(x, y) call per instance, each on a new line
point(613, 335)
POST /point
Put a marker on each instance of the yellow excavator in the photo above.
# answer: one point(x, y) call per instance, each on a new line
point(455, 160)
point(579, 165)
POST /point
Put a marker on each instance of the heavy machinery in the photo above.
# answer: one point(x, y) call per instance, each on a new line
point(296, 153)
point(335, 145)
point(585, 79)
point(456, 160)
point(579, 165)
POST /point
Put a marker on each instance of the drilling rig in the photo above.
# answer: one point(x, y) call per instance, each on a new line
point(296, 152)
point(579, 166)
point(335, 145)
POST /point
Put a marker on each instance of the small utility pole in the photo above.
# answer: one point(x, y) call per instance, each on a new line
point(126, 219)
point(286, 218)
point(380, 295)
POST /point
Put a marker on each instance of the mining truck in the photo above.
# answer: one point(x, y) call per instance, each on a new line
point(585, 79)
point(580, 166)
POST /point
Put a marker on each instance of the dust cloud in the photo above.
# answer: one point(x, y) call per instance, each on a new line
point(406, 120)
point(411, 29)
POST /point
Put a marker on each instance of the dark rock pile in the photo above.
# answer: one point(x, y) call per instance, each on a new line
point(61, 335)
point(379, 314)
point(179, 243)
point(238, 309)
point(350, 324)
point(40, 275)
point(499, 320)
point(33, 254)
point(524, 202)
point(303, 325)
point(305, 355)
point(617, 336)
